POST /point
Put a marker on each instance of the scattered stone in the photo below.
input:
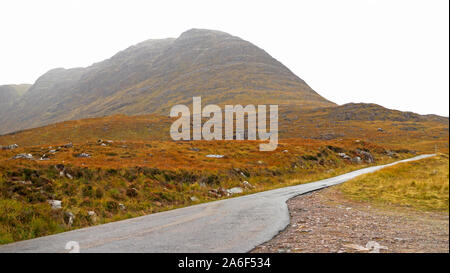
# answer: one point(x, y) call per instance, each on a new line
point(93, 216)
point(235, 190)
point(68, 145)
point(83, 155)
point(68, 175)
point(23, 156)
point(215, 156)
point(44, 157)
point(357, 160)
point(9, 147)
point(380, 130)
point(214, 193)
point(285, 151)
point(194, 199)
point(260, 162)
point(157, 203)
point(368, 157)
point(344, 156)
point(375, 247)
point(56, 204)
point(68, 218)
point(356, 247)
point(247, 185)
point(122, 206)
point(194, 149)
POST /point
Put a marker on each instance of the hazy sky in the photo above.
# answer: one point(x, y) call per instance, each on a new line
point(393, 53)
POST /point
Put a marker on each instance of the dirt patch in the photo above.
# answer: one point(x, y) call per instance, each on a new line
point(324, 221)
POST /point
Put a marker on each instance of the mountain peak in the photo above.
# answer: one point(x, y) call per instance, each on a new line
point(154, 75)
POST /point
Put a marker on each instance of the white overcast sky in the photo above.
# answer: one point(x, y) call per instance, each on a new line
point(393, 53)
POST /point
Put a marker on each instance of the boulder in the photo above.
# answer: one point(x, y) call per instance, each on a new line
point(367, 156)
point(357, 160)
point(23, 156)
point(9, 147)
point(56, 204)
point(194, 199)
point(235, 190)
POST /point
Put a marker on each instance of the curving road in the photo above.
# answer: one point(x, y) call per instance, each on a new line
point(232, 225)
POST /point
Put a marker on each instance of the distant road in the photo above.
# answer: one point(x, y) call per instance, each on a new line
point(232, 225)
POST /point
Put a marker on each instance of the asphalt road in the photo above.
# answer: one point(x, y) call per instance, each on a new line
point(232, 225)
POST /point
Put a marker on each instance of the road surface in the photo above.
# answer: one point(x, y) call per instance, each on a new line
point(232, 225)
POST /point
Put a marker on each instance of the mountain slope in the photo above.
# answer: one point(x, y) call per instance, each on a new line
point(154, 75)
point(9, 94)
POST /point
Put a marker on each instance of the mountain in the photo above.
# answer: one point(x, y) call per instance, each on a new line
point(154, 75)
point(9, 94)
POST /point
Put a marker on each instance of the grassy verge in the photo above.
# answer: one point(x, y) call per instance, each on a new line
point(96, 195)
point(422, 185)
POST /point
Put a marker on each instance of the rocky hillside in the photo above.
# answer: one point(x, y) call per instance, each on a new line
point(9, 94)
point(154, 75)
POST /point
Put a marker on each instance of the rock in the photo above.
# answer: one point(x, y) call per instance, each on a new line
point(215, 156)
point(68, 218)
point(93, 216)
point(68, 145)
point(285, 151)
point(52, 151)
point(44, 157)
point(357, 160)
point(23, 156)
point(62, 174)
point(375, 247)
point(85, 155)
point(260, 162)
point(367, 156)
point(103, 144)
point(9, 147)
point(194, 149)
point(356, 247)
point(56, 204)
point(122, 206)
point(68, 175)
point(380, 130)
point(157, 203)
point(235, 190)
point(194, 199)
point(247, 185)
point(214, 193)
point(344, 156)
